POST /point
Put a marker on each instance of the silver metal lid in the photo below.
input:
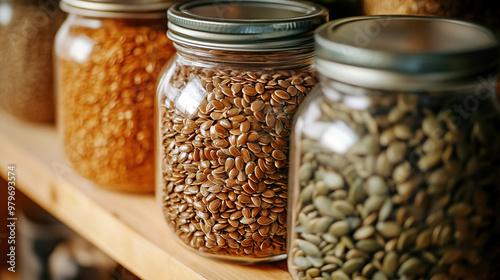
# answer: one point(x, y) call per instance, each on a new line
point(405, 52)
point(118, 8)
point(251, 25)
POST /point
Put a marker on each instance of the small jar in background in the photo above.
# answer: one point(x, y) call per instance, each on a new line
point(27, 31)
point(395, 156)
point(108, 57)
point(483, 11)
point(225, 108)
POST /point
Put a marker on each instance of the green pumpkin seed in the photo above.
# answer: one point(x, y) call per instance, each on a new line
point(390, 264)
point(376, 185)
point(407, 102)
point(431, 127)
point(339, 229)
point(395, 115)
point(302, 263)
point(353, 265)
point(313, 272)
point(333, 260)
point(324, 205)
point(364, 232)
point(402, 131)
point(387, 137)
point(309, 248)
point(344, 207)
point(385, 210)
point(423, 239)
point(333, 180)
point(406, 239)
point(306, 172)
point(388, 229)
point(402, 172)
point(369, 245)
point(340, 275)
point(396, 152)
point(373, 203)
point(368, 270)
point(410, 268)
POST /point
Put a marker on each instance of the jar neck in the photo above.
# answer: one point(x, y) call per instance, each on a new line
point(98, 22)
point(234, 59)
point(482, 86)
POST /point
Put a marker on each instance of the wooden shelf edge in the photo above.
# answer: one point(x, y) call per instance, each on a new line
point(73, 208)
point(112, 221)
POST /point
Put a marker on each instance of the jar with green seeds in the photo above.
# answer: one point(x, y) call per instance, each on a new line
point(394, 169)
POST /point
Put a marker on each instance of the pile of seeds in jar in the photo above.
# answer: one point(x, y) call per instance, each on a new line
point(26, 72)
point(107, 103)
point(224, 188)
point(415, 197)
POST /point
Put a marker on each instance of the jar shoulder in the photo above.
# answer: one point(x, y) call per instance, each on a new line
point(80, 36)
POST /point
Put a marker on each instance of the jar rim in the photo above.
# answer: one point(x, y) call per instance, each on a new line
point(262, 25)
point(118, 8)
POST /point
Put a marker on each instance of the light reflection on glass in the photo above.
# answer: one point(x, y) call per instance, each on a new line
point(339, 137)
point(81, 48)
point(312, 127)
point(191, 97)
point(316, 130)
point(91, 23)
point(357, 102)
point(332, 94)
point(5, 13)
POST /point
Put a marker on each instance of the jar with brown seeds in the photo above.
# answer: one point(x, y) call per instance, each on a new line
point(27, 31)
point(107, 67)
point(239, 95)
point(391, 182)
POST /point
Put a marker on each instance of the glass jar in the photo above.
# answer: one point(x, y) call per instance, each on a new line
point(225, 105)
point(394, 160)
point(484, 11)
point(108, 58)
point(27, 30)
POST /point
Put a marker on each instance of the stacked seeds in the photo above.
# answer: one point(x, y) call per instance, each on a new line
point(26, 72)
point(107, 102)
point(225, 167)
point(415, 197)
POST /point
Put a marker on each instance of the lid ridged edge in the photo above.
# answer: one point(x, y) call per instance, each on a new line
point(381, 69)
point(246, 34)
point(115, 9)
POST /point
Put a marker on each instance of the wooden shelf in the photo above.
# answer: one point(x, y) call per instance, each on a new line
point(127, 227)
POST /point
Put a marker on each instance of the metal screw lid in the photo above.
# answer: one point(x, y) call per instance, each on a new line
point(118, 8)
point(265, 25)
point(405, 52)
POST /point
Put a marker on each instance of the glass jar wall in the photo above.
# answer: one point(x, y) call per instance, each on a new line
point(394, 170)
point(108, 63)
point(483, 11)
point(27, 30)
point(225, 108)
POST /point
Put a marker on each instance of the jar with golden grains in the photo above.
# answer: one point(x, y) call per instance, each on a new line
point(224, 112)
point(394, 162)
point(108, 58)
